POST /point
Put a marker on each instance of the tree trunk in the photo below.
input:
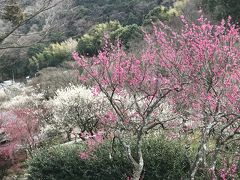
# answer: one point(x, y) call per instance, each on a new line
point(202, 149)
point(137, 166)
point(137, 171)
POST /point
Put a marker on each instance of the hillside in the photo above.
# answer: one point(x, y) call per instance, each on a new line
point(68, 19)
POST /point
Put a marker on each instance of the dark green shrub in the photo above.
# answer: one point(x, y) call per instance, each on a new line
point(93, 41)
point(56, 163)
point(89, 45)
point(159, 13)
point(102, 167)
point(163, 160)
point(127, 34)
point(35, 49)
point(56, 37)
point(64, 163)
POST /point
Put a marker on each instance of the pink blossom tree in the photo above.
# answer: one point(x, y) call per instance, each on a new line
point(135, 88)
point(21, 128)
point(209, 56)
point(195, 70)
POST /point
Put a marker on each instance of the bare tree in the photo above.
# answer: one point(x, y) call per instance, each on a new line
point(10, 36)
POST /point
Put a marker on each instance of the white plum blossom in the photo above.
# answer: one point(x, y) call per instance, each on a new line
point(22, 101)
point(76, 107)
point(20, 97)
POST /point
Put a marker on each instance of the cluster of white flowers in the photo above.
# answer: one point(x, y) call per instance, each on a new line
point(72, 94)
point(19, 96)
point(75, 106)
point(12, 89)
point(21, 101)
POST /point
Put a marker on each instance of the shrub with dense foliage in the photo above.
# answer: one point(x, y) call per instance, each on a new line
point(53, 55)
point(36, 49)
point(92, 42)
point(164, 160)
point(159, 13)
point(127, 35)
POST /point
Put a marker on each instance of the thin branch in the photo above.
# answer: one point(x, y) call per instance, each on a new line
point(44, 8)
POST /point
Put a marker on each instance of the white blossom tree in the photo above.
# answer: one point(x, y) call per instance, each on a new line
point(76, 107)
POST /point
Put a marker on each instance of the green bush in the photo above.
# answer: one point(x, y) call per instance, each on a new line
point(35, 49)
point(64, 163)
point(159, 13)
point(127, 34)
point(52, 56)
point(163, 160)
point(90, 43)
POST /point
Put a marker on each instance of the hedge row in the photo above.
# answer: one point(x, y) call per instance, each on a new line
point(163, 160)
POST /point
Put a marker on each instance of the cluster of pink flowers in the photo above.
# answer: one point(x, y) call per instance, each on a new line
point(92, 141)
point(225, 174)
point(21, 127)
